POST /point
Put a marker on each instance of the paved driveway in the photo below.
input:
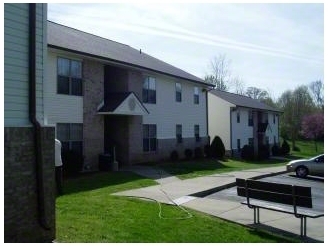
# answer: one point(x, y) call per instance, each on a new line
point(316, 184)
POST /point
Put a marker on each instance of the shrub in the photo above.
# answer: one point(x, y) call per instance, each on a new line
point(285, 149)
point(264, 152)
point(198, 153)
point(207, 150)
point(275, 150)
point(297, 149)
point(217, 148)
point(247, 153)
point(188, 154)
point(174, 155)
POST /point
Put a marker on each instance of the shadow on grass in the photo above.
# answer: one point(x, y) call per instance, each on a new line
point(273, 232)
point(211, 166)
point(96, 180)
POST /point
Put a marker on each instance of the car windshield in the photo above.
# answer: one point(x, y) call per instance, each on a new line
point(319, 156)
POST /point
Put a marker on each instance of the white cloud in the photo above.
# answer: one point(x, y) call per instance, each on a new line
point(272, 39)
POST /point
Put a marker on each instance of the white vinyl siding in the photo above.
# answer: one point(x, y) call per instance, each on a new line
point(16, 62)
point(219, 119)
point(167, 112)
point(241, 130)
point(60, 108)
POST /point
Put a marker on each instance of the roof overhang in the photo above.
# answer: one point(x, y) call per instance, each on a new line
point(122, 104)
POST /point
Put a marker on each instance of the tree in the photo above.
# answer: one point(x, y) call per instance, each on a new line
point(316, 89)
point(257, 93)
point(313, 127)
point(239, 85)
point(219, 73)
point(295, 105)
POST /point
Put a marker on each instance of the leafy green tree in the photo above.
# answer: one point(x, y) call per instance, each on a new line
point(295, 105)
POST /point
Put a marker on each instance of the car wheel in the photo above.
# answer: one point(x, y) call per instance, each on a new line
point(301, 172)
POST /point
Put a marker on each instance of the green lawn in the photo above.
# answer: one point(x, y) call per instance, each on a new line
point(87, 212)
point(196, 168)
point(307, 149)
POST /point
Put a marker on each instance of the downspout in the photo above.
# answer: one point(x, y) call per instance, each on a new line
point(32, 115)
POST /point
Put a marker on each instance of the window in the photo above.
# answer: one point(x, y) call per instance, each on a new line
point(149, 138)
point(178, 92)
point(238, 117)
point(267, 140)
point(69, 77)
point(250, 118)
point(238, 145)
point(196, 95)
point(251, 142)
point(71, 136)
point(266, 118)
point(178, 130)
point(274, 119)
point(149, 90)
point(196, 130)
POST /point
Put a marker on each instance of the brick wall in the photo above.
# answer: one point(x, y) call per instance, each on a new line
point(93, 124)
point(20, 186)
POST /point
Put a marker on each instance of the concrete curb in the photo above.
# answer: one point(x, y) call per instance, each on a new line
point(230, 185)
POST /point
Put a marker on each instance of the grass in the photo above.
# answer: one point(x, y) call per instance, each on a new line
point(193, 169)
point(307, 149)
point(87, 212)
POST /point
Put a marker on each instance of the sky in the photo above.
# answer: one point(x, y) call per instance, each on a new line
point(275, 47)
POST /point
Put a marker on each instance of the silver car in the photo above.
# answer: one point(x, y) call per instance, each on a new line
point(313, 166)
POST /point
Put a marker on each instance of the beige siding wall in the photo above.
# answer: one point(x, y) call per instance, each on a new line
point(219, 119)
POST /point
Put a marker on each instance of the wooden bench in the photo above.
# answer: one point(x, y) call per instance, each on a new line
point(285, 198)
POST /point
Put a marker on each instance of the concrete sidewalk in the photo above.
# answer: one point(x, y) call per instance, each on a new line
point(191, 193)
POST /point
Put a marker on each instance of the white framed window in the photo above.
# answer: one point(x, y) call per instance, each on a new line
point(149, 138)
point(196, 132)
point(178, 130)
point(250, 118)
point(196, 95)
point(178, 92)
point(149, 90)
point(69, 77)
point(71, 136)
point(238, 145)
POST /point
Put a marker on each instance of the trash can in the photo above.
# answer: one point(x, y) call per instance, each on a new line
point(105, 162)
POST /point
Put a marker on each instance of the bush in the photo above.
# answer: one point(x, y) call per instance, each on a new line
point(188, 154)
point(72, 163)
point(275, 150)
point(264, 152)
point(198, 153)
point(174, 155)
point(247, 153)
point(297, 149)
point(207, 150)
point(217, 148)
point(285, 149)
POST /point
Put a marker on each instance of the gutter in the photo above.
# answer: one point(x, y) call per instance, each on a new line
point(32, 116)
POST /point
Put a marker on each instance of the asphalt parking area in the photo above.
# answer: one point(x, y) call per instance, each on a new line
point(316, 184)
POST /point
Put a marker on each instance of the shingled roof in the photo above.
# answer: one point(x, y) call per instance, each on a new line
point(243, 101)
point(70, 39)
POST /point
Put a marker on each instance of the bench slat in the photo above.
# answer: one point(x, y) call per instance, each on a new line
point(285, 209)
point(273, 192)
point(274, 187)
point(275, 197)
